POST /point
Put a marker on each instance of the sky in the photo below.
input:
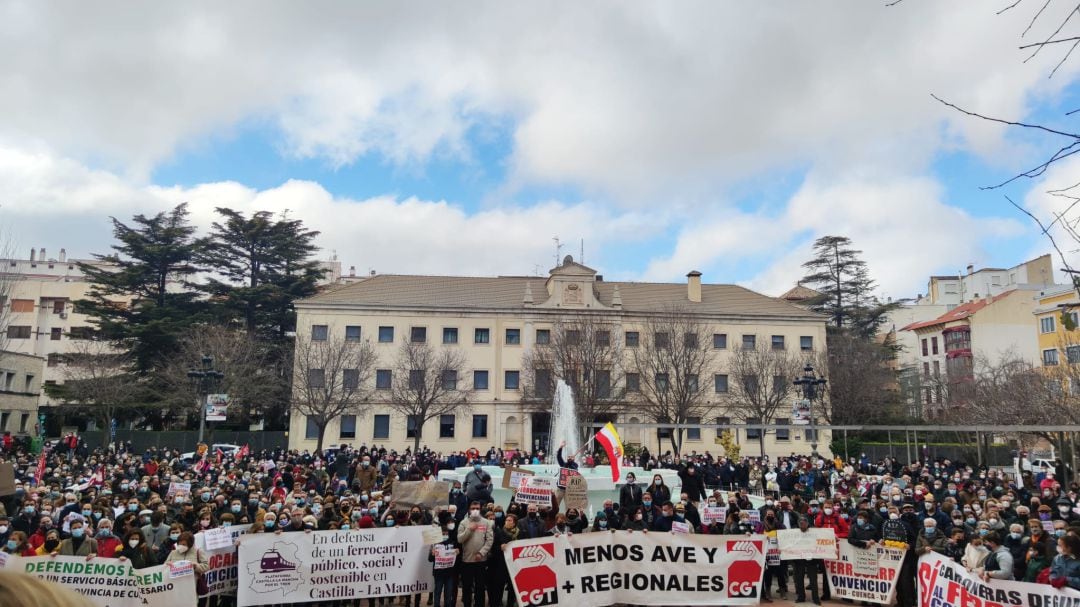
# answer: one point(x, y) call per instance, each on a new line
point(463, 138)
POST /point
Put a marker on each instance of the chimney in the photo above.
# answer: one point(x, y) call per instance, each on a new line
point(693, 286)
point(352, 270)
point(970, 269)
point(41, 254)
point(32, 254)
point(63, 255)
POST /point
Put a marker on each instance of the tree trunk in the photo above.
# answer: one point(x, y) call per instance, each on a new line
point(417, 437)
point(322, 433)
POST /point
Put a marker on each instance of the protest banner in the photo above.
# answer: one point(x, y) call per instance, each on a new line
point(217, 407)
point(564, 476)
point(112, 582)
point(713, 514)
point(332, 565)
point(577, 493)
point(945, 583)
point(221, 577)
point(512, 477)
point(535, 490)
point(865, 574)
point(597, 569)
point(811, 544)
point(426, 494)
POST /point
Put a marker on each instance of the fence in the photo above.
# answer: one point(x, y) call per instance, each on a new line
point(186, 440)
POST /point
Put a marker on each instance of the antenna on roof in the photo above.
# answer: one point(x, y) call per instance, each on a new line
point(558, 250)
point(581, 258)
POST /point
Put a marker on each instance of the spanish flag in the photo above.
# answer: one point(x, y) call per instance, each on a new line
point(609, 438)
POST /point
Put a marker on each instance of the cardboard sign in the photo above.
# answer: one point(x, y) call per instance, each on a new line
point(535, 490)
point(432, 535)
point(814, 543)
point(512, 477)
point(677, 527)
point(577, 493)
point(445, 556)
point(865, 574)
point(178, 488)
point(714, 514)
point(864, 562)
point(7, 478)
point(564, 477)
point(426, 494)
point(218, 539)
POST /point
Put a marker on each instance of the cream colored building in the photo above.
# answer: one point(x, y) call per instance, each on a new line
point(495, 321)
point(20, 388)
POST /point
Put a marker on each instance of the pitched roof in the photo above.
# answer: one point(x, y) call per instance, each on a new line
point(800, 293)
point(959, 312)
point(507, 292)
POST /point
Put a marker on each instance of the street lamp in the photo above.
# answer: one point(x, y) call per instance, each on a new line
point(809, 383)
point(205, 380)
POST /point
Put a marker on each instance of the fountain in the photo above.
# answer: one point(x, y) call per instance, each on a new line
point(564, 421)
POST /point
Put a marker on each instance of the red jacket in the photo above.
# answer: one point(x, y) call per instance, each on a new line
point(833, 521)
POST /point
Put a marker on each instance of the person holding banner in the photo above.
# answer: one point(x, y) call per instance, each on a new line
point(444, 559)
point(999, 565)
point(804, 568)
point(1065, 570)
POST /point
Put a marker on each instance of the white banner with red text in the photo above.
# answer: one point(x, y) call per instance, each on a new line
point(945, 583)
point(221, 577)
point(865, 574)
point(113, 583)
point(331, 565)
point(597, 569)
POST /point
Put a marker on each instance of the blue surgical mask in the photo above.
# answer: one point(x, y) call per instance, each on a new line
point(77, 533)
point(236, 508)
point(133, 507)
point(86, 512)
point(646, 503)
point(389, 522)
point(12, 544)
point(345, 527)
point(269, 524)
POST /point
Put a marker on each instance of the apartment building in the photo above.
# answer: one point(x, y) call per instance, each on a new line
point(20, 389)
point(1056, 318)
point(495, 321)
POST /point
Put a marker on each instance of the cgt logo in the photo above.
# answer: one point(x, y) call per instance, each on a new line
point(744, 574)
point(536, 582)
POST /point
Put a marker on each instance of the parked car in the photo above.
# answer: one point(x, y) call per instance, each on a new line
point(226, 450)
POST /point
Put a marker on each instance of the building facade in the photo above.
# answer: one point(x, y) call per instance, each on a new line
point(495, 321)
point(1058, 335)
point(20, 389)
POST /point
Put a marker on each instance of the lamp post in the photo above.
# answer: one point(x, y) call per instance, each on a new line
point(204, 379)
point(809, 383)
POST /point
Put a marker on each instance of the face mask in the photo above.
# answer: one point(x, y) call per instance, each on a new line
point(894, 516)
point(647, 503)
point(828, 512)
point(174, 536)
point(970, 520)
point(1059, 533)
point(656, 482)
point(236, 508)
point(181, 548)
point(450, 526)
point(929, 531)
point(993, 521)
point(269, 524)
point(87, 512)
point(133, 507)
point(475, 514)
point(204, 523)
point(133, 543)
point(1063, 509)
point(389, 522)
point(984, 531)
point(1015, 536)
point(345, 527)
point(603, 524)
point(253, 503)
point(77, 533)
point(205, 497)
point(29, 510)
point(929, 507)
point(51, 545)
point(883, 510)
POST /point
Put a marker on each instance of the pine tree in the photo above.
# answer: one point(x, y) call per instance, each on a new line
point(842, 278)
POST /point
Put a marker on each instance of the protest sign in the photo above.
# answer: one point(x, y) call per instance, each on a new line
point(7, 478)
point(755, 516)
point(112, 582)
point(865, 574)
point(811, 544)
point(432, 534)
point(944, 583)
point(178, 488)
point(713, 514)
point(332, 565)
point(577, 493)
point(218, 539)
point(221, 577)
point(445, 556)
point(597, 569)
point(564, 476)
point(677, 527)
point(772, 550)
point(512, 477)
point(535, 490)
point(217, 407)
point(426, 494)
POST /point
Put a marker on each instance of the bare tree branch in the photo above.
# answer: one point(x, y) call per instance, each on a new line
point(98, 382)
point(428, 383)
point(1009, 7)
point(1035, 18)
point(331, 379)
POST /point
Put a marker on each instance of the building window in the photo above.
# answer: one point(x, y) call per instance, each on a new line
point(480, 380)
point(692, 384)
point(55, 333)
point(316, 378)
point(782, 433)
point(661, 340)
point(513, 337)
point(449, 335)
point(416, 379)
point(352, 333)
point(482, 336)
point(806, 343)
point(1050, 357)
point(319, 332)
point(933, 345)
point(446, 426)
point(925, 349)
point(511, 380)
point(719, 341)
point(410, 426)
point(18, 332)
point(544, 384)
point(1072, 354)
point(383, 379)
point(80, 333)
point(479, 426)
point(753, 433)
point(1046, 324)
point(662, 383)
point(720, 384)
point(543, 337)
point(311, 429)
point(777, 342)
point(573, 337)
point(603, 338)
point(633, 382)
point(690, 341)
point(602, 383)
point(722, 421)
point(418, 335)
point(937, 368)
point(381, 426)
point(1074, 319)
point(386, 335)
point(348, 426)
point(633, 338)
point(53, 359)
point(58, 306)
point(810, 434)
point(750, 385)
point(749, 342)
point(24, 418)
point(350, 379)
point(693, 433)
point(22, 305)
point(926, 369)
point(449, 379)
point(958, 339)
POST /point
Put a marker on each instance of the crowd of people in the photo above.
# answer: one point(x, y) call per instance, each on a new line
point(147, 507)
